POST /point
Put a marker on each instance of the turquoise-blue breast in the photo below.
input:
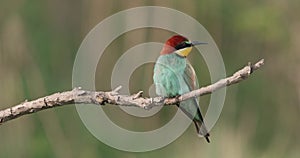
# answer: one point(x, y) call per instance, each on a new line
point(168, 75)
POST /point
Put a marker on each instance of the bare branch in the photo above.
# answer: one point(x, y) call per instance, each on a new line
point(80, 96)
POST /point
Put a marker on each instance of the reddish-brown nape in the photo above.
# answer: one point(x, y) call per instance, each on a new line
point(169, 46)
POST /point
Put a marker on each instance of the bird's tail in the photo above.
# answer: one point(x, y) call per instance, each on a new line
point(188, 107)
point(201, 130)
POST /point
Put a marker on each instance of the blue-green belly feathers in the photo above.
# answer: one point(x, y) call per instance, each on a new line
point(168, 75)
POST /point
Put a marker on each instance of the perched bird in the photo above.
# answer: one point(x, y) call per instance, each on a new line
point(174, 75)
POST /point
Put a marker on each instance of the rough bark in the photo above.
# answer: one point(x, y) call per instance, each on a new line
point(79, 96)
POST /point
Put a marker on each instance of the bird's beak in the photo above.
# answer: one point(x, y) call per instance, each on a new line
point(194, 43)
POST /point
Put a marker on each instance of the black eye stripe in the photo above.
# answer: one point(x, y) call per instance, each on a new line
point(182, 45)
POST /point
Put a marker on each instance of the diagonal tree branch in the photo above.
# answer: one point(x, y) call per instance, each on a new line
point(80, 96)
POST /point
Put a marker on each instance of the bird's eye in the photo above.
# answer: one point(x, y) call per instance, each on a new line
point(183, 44)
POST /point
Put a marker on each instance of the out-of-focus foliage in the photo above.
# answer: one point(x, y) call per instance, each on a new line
point(39, 41)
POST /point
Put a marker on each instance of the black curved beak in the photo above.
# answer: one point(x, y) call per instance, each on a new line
point(194, 43)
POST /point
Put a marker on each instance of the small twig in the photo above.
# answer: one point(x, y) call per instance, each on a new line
point(137, 95)
point(117, 90)
point(79, 96)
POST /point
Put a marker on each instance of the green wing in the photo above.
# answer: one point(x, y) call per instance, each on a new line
point(191, 106)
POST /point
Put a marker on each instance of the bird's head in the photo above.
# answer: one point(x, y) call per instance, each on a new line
point(179, 45)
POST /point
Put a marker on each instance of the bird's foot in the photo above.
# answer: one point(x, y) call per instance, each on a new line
point(177, 99)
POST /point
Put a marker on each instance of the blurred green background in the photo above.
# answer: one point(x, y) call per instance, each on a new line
point(260, 118)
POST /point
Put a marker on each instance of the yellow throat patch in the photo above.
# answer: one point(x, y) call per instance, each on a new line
point(184, 52)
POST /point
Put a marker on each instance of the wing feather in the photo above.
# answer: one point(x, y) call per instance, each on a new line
point(189, 107)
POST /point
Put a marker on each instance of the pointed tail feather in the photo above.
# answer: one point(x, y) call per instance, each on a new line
point(188, 107)
point(202, 130)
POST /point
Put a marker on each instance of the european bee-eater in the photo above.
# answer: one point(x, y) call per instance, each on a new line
point(174, 75)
